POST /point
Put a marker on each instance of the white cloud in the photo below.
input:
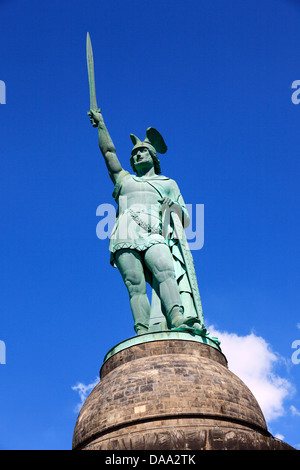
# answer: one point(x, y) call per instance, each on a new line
point(253, 361)
point(83, 391)
point(294, 411)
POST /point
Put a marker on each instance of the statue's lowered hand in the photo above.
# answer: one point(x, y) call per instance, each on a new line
point(166, 201)
point(95, 117)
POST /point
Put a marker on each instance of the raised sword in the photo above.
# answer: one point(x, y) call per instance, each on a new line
point(91, 74)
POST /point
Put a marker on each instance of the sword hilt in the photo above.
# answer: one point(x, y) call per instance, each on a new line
point(92, 119)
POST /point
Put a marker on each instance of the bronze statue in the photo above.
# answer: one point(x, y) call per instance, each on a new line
point(148, 242)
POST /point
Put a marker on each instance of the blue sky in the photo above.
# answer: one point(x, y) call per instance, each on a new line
point(215, 79)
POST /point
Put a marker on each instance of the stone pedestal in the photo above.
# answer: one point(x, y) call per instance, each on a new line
point(170, 391)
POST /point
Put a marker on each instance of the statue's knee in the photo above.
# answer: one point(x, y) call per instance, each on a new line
point(164, 274)
point(135, 284)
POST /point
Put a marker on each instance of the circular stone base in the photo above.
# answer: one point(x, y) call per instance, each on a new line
point(163, 336)
point(172, 394)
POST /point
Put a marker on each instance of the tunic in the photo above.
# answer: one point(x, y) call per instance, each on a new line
point(139, 218)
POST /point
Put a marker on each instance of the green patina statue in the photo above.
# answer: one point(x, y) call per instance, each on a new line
point(148, 242)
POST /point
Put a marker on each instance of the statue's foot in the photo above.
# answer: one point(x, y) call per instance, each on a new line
point(198, 328)
point(191, 325)
point(141, 329)
point(176, 317)
point(183, 327)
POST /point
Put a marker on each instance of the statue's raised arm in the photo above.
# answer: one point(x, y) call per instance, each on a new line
point(105, 143)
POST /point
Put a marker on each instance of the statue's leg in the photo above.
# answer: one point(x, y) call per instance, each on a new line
point(158, 259)
point(130, 265)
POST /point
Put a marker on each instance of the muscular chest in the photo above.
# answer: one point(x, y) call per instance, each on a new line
point(137, 190)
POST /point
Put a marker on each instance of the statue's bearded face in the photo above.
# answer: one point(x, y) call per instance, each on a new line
point(142, 158)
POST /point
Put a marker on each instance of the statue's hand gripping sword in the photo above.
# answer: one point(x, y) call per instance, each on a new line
point(91, 74)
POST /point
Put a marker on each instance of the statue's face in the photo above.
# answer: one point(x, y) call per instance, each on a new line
point(141, 158)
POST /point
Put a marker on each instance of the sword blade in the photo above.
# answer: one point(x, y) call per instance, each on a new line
point(91, 73)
